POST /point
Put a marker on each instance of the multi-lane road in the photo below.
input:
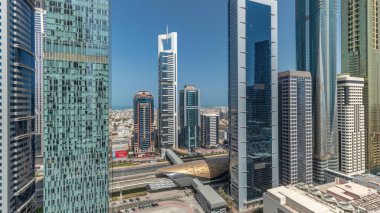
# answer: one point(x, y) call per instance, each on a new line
point(124, 178)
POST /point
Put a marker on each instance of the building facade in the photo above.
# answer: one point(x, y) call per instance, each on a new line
point(189, 117)
point(253, 104)
point(39, 27)
point(76, 106)
point(209, 130)
point(360, 58)
point(351, 124)
point(295, 127)
point(316, 25)
point(167, 91)
point(143, 112)
point(17, 106)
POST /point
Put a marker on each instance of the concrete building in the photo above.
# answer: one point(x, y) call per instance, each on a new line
point(209, 200)
point(209, 130)
point(338, 196)
point(76, 106)
point(189, 117)
point(143, 111)
point(39, 28)
point(316, 47)
point(253, 103)
point(167, 91)
point(295, 127)
point(289, 199)
point(351, 124)
point(360, 58)
point(17, 112)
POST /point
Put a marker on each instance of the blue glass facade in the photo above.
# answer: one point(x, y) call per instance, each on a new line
point(76, 104)
point(259, 99)
point(17, 106)
point(316, 52)
point(143, 110)
point(253, 98)
point(189, 119)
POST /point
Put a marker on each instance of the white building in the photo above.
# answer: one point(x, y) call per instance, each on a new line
point(338, 196)
point(295, 127)
point(167, 91)
point(351, 124)
point(290, 199)
point(39, 28)
point(209, 130)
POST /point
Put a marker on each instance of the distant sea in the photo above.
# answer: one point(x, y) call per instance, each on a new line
point(121, 107)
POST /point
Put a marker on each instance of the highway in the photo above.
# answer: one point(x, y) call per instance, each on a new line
point(125, 178)
point(133, 170)
point(150, 167)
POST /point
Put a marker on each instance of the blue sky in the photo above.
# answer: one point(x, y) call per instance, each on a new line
point(202, 45)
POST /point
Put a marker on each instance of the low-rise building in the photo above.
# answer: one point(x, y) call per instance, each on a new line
point(210, 201)
point(338, 196)
point(289, 199)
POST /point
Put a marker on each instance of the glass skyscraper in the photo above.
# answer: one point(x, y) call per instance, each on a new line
point(360, 58)
point(143, 111)
point(316, 23)
point(253, 116)
point(17, 179)
point(76, 103)
point(189, 117)
point(167, 91)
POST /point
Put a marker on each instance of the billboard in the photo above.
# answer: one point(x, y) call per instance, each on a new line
point(121, 154)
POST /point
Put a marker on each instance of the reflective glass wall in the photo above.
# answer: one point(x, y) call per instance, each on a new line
point(253, 98)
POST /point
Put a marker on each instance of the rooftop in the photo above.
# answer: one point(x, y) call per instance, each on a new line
point(213, 198)
point(296, 200)
point(294, 73)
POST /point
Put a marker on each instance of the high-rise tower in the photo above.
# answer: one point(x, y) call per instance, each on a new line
point(316, 23)
point(189, 117)
point(351, 124)
point(253, 115)
point(76, 103)
point(143, 111)
point(295, 127)
point(39, 27)
point(17, 181)
point(360, 58)
point(209, 130)
point(167, 91)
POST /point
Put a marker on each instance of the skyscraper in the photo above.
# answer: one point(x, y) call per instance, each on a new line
point(209, 130)
point(143, 111)
point(351, 124)
point(189, 120)
point(253, 117)
point(39, 27)
point(295, 127)
point(17, 69)
point(316, 23)
point(76, 104)
point(360, 58)
point(167, 91)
